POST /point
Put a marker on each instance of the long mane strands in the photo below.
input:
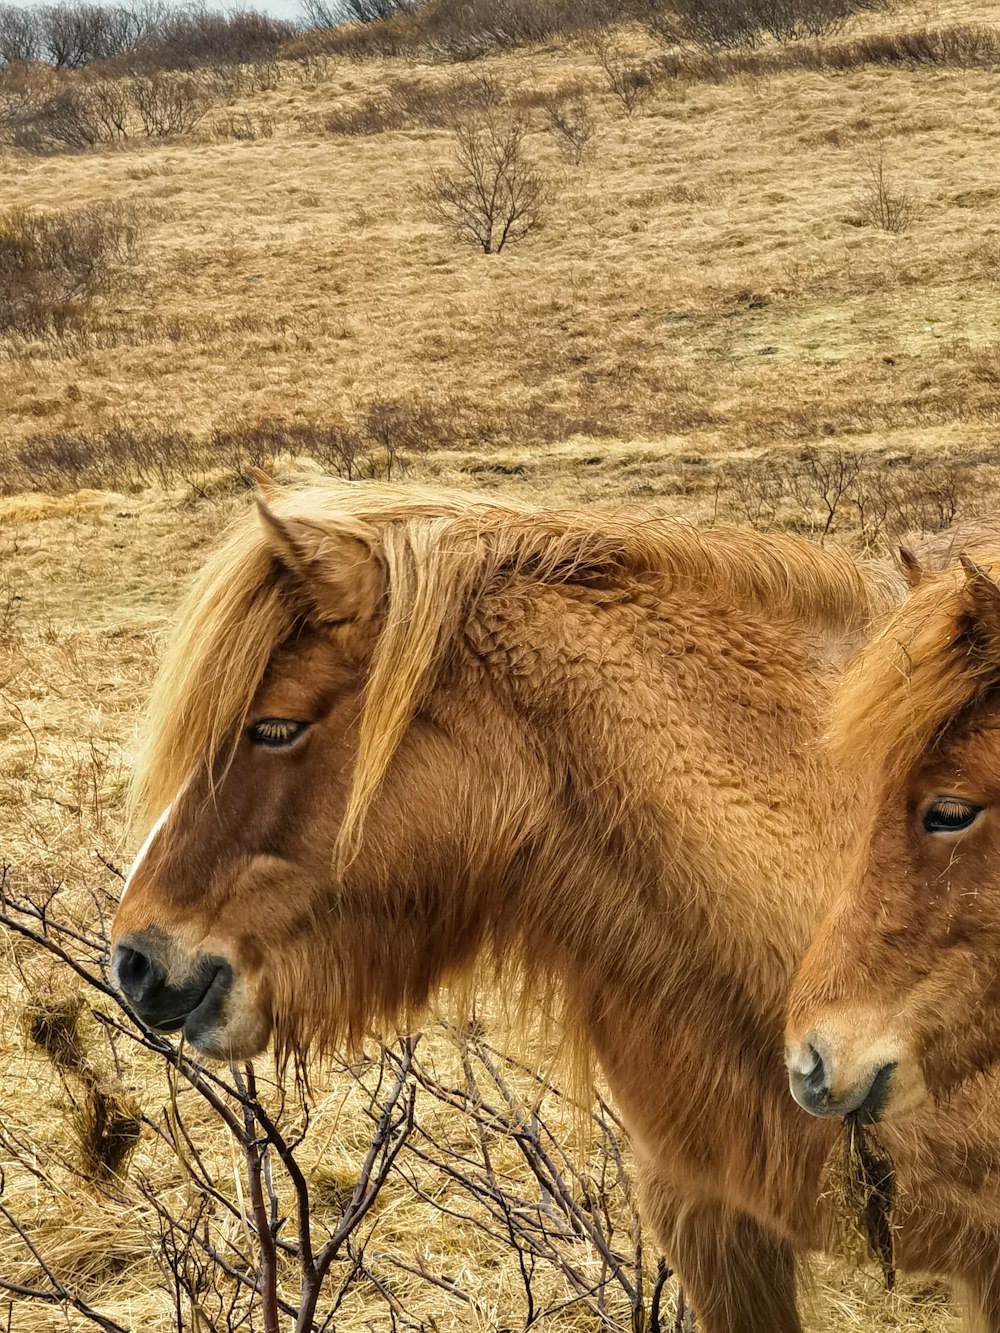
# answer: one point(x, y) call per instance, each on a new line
point(914, 677)
point(230, 624)
point(441, 549)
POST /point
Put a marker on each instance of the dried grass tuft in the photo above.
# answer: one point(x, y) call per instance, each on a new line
point(52, 1023)
point(107, 1127)
point(861, 1180)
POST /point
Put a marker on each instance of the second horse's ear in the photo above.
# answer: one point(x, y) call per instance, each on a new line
point(335, 563)
point(912, 569)
point(982, 600)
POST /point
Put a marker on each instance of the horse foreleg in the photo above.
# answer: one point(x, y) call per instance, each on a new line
point(738, 1277)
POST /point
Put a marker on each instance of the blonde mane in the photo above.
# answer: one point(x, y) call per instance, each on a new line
point(913, 678)
point(440, 550)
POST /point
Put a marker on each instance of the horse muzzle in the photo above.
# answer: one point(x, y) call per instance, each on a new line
point(200, 995)
point(821, 1089)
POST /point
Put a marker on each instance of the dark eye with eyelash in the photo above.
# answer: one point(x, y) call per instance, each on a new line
point(275, 732)
point(948, 814)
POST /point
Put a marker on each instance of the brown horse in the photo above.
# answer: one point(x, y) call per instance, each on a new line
point(398, 734)
point(900, 993)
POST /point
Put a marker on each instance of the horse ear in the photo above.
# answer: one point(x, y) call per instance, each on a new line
point(912, 569)
point(336, 563)
point(263, 483)
point(982, 597)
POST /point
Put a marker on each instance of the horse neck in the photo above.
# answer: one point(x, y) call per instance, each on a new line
point(681, 847)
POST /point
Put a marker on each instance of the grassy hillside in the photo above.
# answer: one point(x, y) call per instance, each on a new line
point(704, 291)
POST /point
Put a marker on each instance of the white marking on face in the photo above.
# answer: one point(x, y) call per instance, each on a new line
point(144, 849)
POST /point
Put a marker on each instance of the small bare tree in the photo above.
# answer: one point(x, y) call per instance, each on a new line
point(627, 75)
point(879, 202)
point(572, 127)
point(492, 194)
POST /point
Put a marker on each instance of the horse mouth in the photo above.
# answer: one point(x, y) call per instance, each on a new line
point(207, 1015)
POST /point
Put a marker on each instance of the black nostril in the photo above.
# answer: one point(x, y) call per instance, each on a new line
point(815, 1080)
point(137, 974)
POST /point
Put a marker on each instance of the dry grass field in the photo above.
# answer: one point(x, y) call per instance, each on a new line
point(703, 291)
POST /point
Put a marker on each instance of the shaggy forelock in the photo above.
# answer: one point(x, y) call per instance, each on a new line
point(440, 549)
point(917, 674)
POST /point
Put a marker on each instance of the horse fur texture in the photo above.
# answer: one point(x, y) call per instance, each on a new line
point(579, 746)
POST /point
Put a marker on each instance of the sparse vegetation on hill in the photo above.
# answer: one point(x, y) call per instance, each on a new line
point(722, 317)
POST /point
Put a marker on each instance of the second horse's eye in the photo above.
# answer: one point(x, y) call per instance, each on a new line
point(275, 732)
point(949, 814)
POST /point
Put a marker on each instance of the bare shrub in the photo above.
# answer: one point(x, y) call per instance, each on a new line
point(461, 30)
point(193, 38)
point(730, 24)
point(433, 1124)
point(827, 491)
point(168, 104)
point(572, 127)
point(51, 263)
point(376, 441)
point(121, 458)
point(493, 194)
point(965, 46)
point(20, 36)
point(879, 202)
point(626, 74)
point(68, 121)
point(84, 116)
point(245, 127)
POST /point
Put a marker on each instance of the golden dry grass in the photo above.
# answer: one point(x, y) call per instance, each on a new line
point(296, 276)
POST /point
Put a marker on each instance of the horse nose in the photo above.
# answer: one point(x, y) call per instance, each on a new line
point(813, 1082)
point(138, 976)
point(167, 988)
point(808, 1079)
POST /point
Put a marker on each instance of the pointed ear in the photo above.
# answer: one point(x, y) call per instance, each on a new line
point(336, 563)
point(982, 600)
point(912, 569)
point(263, 483)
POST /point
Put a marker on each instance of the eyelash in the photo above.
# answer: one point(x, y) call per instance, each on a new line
point(275, 733)
point(941, 812)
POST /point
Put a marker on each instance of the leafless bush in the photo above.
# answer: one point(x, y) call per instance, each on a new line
point(273, 1263)
point(194, 38)
point(168, 104)
point(228, 82)
point(965, 46)
point(52, 263)
point(377, 441)
point(851, 493)
point(120, 458)
point(880, 203)
point(730, 24)
point(66, 121)
point(330, 13)
point(626, 74)
point(462, 29)
point(81, 116)
point(493, 194)
point(572, 127)
point(245, 127)
point(20, 39)
point(148, 34)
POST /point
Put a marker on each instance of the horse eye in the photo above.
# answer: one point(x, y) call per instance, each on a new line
point(275, 732)
point(950, 815)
